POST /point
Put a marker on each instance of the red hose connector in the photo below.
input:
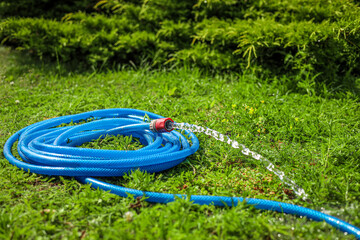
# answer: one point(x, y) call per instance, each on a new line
point(162, 125)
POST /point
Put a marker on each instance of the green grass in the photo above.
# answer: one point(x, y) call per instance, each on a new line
point(312, 136)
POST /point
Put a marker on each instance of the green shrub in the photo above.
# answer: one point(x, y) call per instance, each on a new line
point(204, 56)
point(291, 36)
point(43, 8)
point(93, 39)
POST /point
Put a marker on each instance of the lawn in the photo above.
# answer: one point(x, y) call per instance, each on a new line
point(314, 137)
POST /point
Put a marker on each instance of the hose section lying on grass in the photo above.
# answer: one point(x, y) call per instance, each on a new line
point(46, 148)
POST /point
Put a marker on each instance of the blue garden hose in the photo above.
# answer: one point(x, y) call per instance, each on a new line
point(46, 148)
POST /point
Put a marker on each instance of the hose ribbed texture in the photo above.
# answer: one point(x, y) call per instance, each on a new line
point(48, 149)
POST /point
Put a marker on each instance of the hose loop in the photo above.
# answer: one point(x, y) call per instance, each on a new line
point(46, 148)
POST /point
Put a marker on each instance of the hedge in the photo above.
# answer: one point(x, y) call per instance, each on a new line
point(322, 37)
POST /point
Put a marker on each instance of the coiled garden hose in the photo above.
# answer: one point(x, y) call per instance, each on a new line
point(46, 148)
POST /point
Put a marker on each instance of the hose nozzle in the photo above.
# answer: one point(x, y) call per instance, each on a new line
point(162, 125)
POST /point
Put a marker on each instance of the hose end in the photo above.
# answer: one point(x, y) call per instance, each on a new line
point(162, 125)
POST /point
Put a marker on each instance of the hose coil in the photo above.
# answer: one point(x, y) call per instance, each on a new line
point(47, 148)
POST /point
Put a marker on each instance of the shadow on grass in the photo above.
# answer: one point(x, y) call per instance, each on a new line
point(15, 63)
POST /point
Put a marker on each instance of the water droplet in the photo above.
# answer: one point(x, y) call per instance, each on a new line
point(128, 216)
point(245, 151)
point(235, 144)
point(221, 137)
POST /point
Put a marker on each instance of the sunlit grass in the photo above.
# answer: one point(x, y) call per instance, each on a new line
point(314, 139)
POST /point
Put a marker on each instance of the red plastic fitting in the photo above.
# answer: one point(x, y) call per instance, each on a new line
point(162, 125)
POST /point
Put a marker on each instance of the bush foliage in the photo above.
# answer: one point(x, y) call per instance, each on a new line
point(43, 8)
point(290, 36)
